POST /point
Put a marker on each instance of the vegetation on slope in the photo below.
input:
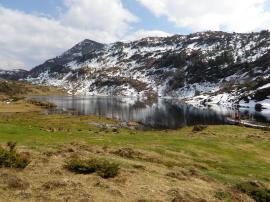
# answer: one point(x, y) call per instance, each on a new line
point(19, 89)
point(13, 96)
point(211, 164)
point(10, 158)
point(104, 168)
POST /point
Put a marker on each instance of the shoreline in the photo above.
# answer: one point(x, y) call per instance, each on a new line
point(23, 106)
point(186, 163)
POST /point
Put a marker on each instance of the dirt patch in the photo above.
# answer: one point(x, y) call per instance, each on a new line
point(127, 153)
point(11, 181)
point(143, 156)
point(176, 175)
point(55, 184)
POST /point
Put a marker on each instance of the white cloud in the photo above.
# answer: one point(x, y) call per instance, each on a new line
point(200, 15)
point(107, 16)
point(17, 64)
point(27, 40)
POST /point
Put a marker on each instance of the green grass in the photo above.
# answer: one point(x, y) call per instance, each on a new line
point(224, 153)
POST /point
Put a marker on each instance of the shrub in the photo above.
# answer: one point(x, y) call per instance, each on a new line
point(12, 146)
point(103, 168)
point(255, 190)
point(10, 158)
point(223, 195)
point(198, 128)
point(108, 169)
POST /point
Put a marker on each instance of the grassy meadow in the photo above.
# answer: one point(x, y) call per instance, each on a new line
point(88, 158)
point(168, 165)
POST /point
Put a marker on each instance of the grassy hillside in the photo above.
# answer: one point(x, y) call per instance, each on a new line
point(19, 89)
point(217, 163)
point(13, 94)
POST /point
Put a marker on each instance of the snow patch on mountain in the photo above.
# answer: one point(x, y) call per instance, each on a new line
point(202, 68)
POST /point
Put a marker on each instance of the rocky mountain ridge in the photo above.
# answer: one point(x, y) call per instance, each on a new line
point(13, 74)
point(203, 68)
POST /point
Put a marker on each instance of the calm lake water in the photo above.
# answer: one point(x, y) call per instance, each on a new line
point(163, 113)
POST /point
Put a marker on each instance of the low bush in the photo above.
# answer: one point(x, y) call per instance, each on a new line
point(221, 195)
point(255, 190)
point(198, 128)
point(104, 168)
point(10, 158)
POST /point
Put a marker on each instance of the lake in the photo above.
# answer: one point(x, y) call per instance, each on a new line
point(162, 113)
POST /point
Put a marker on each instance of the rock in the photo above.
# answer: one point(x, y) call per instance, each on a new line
point(258, 107)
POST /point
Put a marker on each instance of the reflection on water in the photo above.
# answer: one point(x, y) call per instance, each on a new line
point(164, 113)
point(258, 116)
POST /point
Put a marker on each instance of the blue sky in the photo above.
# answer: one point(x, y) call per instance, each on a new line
point(36, 30)
point(31, 6)
point(51, 8)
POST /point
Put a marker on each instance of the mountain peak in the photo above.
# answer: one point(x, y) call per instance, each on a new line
point(84, 47)
point(88, 41)
point(183, 66)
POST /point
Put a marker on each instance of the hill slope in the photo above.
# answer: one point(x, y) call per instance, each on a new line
point(12, 74)
point(207, 67)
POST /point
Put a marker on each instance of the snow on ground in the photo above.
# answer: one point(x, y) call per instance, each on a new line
point(190, 91)
point(265, 103)
point(223, 99)
point(73, 65)
point(136, 61)
point(265, 86)
point(252, 103)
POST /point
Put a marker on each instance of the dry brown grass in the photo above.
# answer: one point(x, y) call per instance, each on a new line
point(16, 107)
point(13, 93)
point(171, 165)
point(46, 180)
point(21, 88)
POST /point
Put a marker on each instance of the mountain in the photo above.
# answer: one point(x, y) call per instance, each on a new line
point(202, 68)
point(12, 74)
point(68, 59)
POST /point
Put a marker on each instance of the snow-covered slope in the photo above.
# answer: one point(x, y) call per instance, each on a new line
point(206, 67)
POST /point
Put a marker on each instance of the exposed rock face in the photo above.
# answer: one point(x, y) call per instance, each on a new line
point(209, 67)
